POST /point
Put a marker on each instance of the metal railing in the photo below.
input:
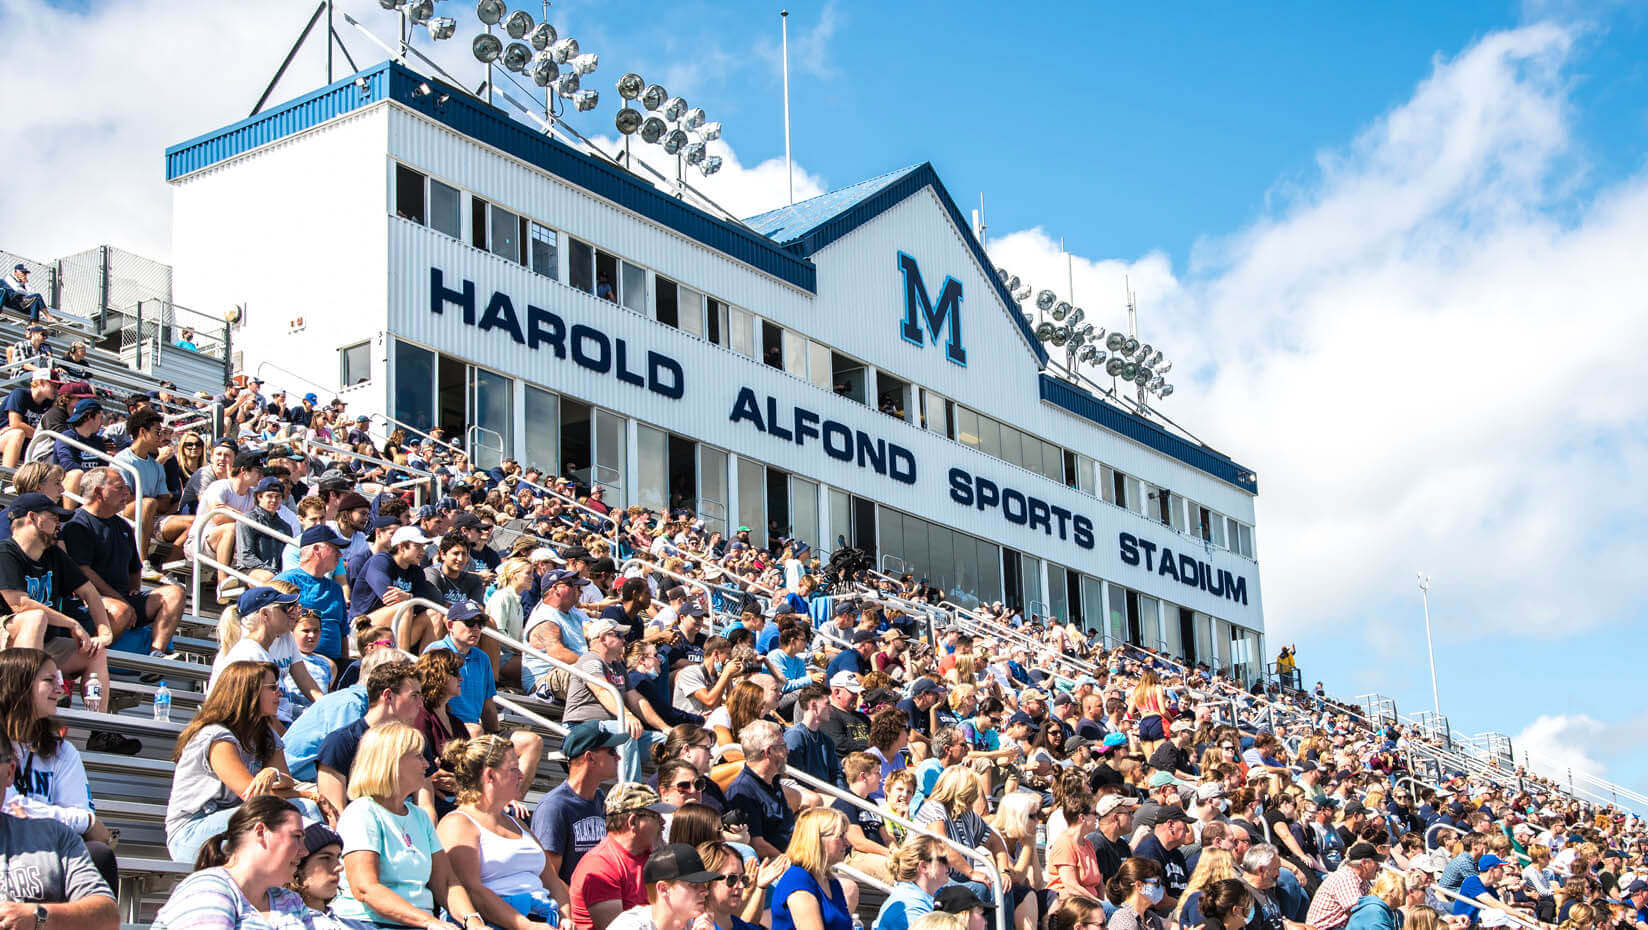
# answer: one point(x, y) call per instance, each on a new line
point(418, 480)
point(983, 859)
point(1510, 914)
point(196, 556)
point(137, 521)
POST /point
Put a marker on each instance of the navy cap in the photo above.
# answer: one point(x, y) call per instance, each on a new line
point(248, 459)
point(383, 522)
point(269, 484)
point(317, 836)
point(845, 607)
point(692, 609)
point(1636, 886)
point(559, 575)
point(84, 409)
point(319, 533)
point(20, 267)
point(255, 599)
point(583, 737)
point(924, 686)
point(465, 610)
point(35, 502)
point(868, 636)
point(1021, 717)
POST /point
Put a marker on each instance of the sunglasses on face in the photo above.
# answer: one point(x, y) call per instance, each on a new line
point(735, 880)
point(474, 622)
point(694, 785)
point(941, 860)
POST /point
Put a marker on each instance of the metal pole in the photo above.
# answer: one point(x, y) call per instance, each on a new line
point(330, 33)
point(789, 170)
point(1425, 596)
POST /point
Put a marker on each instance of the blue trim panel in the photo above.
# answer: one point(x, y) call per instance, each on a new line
point(821, 235)
point(491, 126)
point(1061, 393)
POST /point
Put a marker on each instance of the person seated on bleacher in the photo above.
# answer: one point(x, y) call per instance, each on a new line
point(24, 408)
point(493, 854)
point(242, 874)
point(387, 578)
point(315, 576)
point(228, 754)
point(16, 294)
point(395, 872)
point(101, 542)
point(605, 660)
point(451, 578)
point(85, 420)
point(73, 365)
point(209, 466)
point(474, 706)
point(257, 552)
point(393, 694)
point(260, 630)
point(338, 709)
point(37, 581)
point(51, 778)
point(149, 434)
point(47, 874)
point(32, 352)
point(318, 875)
point(554, 627)
point(213, 531)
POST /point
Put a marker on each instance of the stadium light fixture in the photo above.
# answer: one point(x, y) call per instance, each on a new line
point(516, 56)
point(631, 85)
point(487, 47)
point(519, 24)
point(420, 11)
point(441, 27)
point(489, 12)
point(542, 37)
point(628, 121)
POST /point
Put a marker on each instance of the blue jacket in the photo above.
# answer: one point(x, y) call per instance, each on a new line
point(1371, 913)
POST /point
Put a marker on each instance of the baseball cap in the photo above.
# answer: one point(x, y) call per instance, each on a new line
point(677, 862)
point(848, 680)
point(1635, 886)
point(465, 610)
point(1110, 802)
point(603, 625)
point(1355, 807)
point(20, 267)
point(583, 737)
point(317, 836)
point(603, 565)
point(559, 575)
point(35, 502)
point(255, 599)
point(1019, 717)
point(269, 484)
point(575, 552)
point(319, 533)
point(1168, 813)
point(924, 686)
point(353, 501)
point(71, 388)
point(1180, 726)
point(466, 521)
point(1360, 851)
point(311, 398)
point(244, 460)
point(85, 408)
point(1488, 861)
point(692, 609)
point(1207, 791)
point(333, 480)
point(1163, 780)
point(877, 696)
point(868, 636)
point(845, 607)
point(384, 522)
point(627, 796)
point(1113, 740)
point(956, 899)
point(408, 534)
point(545, 554)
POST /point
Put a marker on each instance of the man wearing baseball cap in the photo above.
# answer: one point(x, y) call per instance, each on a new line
point(1481, 888)
point(555, 626)
point(24, 408)
point(571, 819)
point(844, 724)
point(319, 550)
point(584, 702)
point(1331, 906)
point(609, 879)
point(389, 578)
point(925, 694)
point(677, 885)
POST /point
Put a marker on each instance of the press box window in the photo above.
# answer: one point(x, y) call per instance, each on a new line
point(543, 247)
point(355, 364)
point(445, 214)
point(580, 265)
point(409, 194)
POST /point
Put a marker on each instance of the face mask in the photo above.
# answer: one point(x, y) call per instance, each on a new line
point(1154, 892)
point(1251, 911)
point(1224, 805)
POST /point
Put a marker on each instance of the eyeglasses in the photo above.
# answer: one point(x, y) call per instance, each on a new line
point(941, 860)
point(695, 785)
point(735, 880)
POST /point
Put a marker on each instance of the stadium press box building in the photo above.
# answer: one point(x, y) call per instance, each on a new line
point(847, 366)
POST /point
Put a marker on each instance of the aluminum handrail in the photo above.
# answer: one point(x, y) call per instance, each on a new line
point(419, 477)
point(1441, 826)
point(987, 864)
point(617, 529)
point(292, 374)
point(137, 523)
point(195, 555)
point(709, 596)
point(1002, 631)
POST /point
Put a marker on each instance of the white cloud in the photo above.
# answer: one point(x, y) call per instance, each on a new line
point(743, 190)
point(1559, 742)
point(1425, 366)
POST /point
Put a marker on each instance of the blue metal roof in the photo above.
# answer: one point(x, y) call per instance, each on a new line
point(491, 126)
point(1088, 406)
point(806, 227)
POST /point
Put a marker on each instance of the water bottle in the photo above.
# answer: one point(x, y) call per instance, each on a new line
point(163, 703)
point(1041, 835)
point(94, 693)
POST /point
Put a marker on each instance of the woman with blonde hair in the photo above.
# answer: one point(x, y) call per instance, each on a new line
point(491, 853)
point(808, 897)
point(395, 872)
point(1376, 910)
point(1017, 818)
point(737, 900)
point(1214, 865)
point(954, 804)
point(920, 867)
point(941, 920)
point(1147, 704)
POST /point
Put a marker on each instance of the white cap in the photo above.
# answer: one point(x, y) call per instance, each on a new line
point(848, 680)
point(408, 534)
point(545, 554)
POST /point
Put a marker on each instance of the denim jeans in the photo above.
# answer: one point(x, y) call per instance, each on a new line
point(633, 752)
point(193, 833)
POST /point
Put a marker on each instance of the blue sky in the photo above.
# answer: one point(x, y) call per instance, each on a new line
point(1345, 222)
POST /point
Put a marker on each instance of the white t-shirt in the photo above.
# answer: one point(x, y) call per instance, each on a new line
point(282, 652)
point(222, 491)
point(638, 917)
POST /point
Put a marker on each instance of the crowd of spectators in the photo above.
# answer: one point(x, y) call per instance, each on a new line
point(745, 743)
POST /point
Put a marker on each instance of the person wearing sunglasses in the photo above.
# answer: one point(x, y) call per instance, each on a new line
point(261, 632)
point(920, 867)
point(736, 901)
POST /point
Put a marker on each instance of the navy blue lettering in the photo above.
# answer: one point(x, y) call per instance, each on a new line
point(901, 464)
point(1237, 589)
point(806, 424)
point(1168, 565)
point(1213, 582)
point(872, 450)
point(659, 365)
point(1008, 497)
point(1039, 512)
point(961, 487)
point(1064, 519)
point(622, 371)
point(1130, 549)
point(440, 295)
point(988, 494)
point(918, 309)
point(1149, 552)
point(1081, 529)
point(545, 327)
point(747, 408)
point(838, 441)
point(501, 313)
point(773, 429)
point(583, 337)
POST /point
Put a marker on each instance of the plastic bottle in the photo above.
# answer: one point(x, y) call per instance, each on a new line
point(94, 693)
point(163, 703)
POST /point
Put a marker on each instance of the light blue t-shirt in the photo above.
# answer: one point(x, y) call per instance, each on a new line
point(332, 712)
point(478, 683)
point(405, 845)
point(149, 471)
point(906, 903)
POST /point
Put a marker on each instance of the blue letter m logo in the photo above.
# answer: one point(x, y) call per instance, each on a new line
point(918, 308)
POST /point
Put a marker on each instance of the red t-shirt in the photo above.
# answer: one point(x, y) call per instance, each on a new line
point(607, 872)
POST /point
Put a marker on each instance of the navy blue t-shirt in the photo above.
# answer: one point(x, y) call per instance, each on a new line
point(765, 808)
point(569, 826)
point(107, 547)
point(21, 402)
point(847, 660)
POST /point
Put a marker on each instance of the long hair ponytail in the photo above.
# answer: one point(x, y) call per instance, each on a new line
point(266, 810)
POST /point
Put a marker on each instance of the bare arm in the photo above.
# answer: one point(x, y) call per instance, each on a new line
point(546, 637)
point(602, 913)
point(362, 868)
point(805, 911)
point(552, 879)
point(332, 784)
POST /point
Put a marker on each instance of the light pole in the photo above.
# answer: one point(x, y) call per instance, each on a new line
point(1425, 596)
